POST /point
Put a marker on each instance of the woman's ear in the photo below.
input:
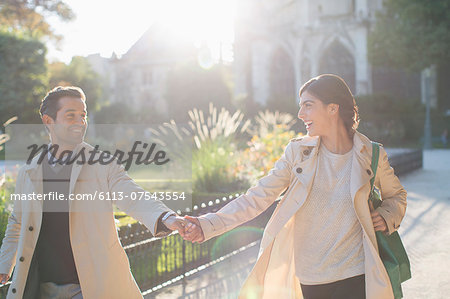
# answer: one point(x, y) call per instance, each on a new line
point(333, 108)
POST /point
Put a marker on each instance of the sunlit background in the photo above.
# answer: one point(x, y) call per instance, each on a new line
point(224, 75)
point(105, 27)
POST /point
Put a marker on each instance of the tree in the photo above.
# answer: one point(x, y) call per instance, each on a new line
point(411, 34)
point(78, 73)
point(189, 86)
point(23, 77)
point(28, 16)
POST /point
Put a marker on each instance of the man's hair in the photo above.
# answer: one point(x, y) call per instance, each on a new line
point(50, 103)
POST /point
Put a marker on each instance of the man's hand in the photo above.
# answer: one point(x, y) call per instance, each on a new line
point(378, 222)
point(4, 278)
point(175, 222)
point(193, 232)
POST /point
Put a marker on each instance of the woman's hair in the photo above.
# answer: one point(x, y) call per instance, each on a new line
point(332, 89)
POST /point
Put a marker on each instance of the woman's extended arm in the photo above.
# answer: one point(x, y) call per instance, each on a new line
point(254, 202)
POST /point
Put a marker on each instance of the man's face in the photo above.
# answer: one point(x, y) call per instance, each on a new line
point(69, 127)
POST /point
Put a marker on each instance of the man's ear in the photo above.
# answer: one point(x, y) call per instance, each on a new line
point(47, 120)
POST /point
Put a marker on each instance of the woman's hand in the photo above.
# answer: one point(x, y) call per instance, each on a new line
point(193, 230)
point(4, 278)
point(378, 222)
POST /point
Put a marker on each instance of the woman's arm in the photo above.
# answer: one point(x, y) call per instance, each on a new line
point(254, 202)
point(393, 195)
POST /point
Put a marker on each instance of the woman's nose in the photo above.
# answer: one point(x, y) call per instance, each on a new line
point(300, 114)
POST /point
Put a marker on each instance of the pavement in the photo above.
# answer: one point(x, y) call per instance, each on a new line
point(425, 230)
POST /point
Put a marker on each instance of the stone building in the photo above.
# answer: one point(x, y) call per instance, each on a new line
point(280, 44)
point(139, 76)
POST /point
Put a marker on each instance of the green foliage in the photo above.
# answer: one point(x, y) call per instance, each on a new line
point(390, 120)
point(23, 79)
point(216, 138)
point(78, 73)
point(29, 17)
point(122, 113)
point(271, 133)
point(212, 166)
point(412, 34)
point(116, 113)
point(283, 104)
point(190, 86)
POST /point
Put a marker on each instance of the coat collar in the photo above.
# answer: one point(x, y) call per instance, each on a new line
point(34, 162)
point(34, 169)
point(361, 143)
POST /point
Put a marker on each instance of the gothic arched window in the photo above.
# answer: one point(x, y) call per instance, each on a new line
point(339, 61)
point(305, 69)
point(282, 78)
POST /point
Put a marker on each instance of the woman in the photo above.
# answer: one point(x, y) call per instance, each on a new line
point(320, 241)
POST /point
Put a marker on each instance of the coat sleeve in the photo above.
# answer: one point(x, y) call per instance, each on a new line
point(254, 202)
point(10, 242)
point(147, 212)
point(393, 195)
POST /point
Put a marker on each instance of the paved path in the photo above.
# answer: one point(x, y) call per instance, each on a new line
point(425, 231)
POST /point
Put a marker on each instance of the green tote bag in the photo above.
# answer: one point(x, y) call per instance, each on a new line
point(391, 249)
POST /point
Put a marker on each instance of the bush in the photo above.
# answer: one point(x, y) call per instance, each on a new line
point(391, 121)
point(271, 134)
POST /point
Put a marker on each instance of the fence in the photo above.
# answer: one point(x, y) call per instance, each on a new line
point(158, 260)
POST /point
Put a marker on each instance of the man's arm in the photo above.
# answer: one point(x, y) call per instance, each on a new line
point(10, 242)
point(149, 212)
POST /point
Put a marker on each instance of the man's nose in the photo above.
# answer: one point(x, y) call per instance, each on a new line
point(81, 121)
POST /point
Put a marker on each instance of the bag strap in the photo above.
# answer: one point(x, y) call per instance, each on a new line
point(374, 164)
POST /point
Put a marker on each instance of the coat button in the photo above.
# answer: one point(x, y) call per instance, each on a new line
point(306, 152)
point(30, 228)
point(369, 172)
point(13, 290)
point(299, 170)
point(21, 259)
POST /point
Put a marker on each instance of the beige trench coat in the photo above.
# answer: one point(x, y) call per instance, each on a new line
point(273, 275)
point(102, 264)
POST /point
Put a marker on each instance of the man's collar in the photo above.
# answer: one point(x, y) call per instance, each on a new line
point(34, 162)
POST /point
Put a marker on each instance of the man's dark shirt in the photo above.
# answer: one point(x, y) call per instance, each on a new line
point(53, 249)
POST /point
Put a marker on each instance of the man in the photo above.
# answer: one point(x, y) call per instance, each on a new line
point(60, 249)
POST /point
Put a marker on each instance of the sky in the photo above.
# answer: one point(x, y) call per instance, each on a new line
point(104, 27)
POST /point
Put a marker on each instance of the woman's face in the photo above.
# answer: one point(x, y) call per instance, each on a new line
point(315, 114)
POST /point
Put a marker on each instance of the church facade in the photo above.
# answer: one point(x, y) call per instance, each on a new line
point(280, 44)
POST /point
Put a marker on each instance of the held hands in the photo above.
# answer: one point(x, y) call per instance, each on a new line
point(188, 227)
point(193, 232)
point(175, 222)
